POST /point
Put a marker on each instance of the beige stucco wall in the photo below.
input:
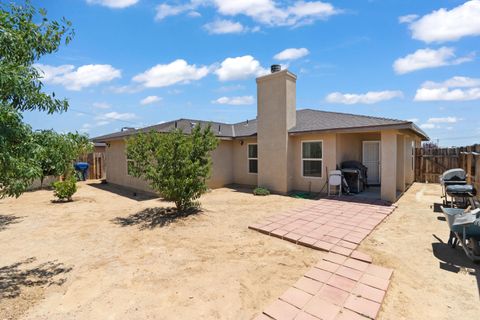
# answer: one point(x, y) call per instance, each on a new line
point(230, 161)
point(240, 162)
point(47, 182)
point(409, 160)
point(276, 109)
point(388, 187)
point(297, 181)
point(400, 163)
point(350, 145)
point(116, 166)
point(222, 165)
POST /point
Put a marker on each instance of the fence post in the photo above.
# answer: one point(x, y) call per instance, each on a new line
point(476, 181)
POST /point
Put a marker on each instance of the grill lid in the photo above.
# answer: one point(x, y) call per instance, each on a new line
point(457, 174)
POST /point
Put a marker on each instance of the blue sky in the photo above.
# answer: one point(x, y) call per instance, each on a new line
point(142, 62)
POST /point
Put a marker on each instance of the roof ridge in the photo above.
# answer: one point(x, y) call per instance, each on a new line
point(209, 121)
point(356, 115)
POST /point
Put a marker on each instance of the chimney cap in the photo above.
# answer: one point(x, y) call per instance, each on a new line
point(275, 68)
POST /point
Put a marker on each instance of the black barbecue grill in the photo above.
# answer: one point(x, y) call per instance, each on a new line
point(454, 185)
point(355, 174)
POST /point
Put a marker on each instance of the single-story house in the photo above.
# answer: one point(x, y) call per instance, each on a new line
point(286, 149)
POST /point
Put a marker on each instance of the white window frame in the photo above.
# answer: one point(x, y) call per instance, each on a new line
point(302, 159)
point(413, 154)
point(127, 161)
point(248, 158)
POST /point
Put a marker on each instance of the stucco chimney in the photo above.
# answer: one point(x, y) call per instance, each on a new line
point(276, 114)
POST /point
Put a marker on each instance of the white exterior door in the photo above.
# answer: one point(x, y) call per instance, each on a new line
point(371, 160)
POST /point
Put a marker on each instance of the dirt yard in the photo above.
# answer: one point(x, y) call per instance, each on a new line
point(108, 255)
point(104, 257)
point(431, 280)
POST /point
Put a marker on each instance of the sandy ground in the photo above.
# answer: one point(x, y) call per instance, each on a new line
point(431, 280)
point(105, 257)
point(102, 257)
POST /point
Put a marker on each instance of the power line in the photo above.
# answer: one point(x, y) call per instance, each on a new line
point(458, 138)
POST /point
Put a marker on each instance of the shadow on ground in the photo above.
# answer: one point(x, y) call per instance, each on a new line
point(15, 277)
point(124, 192)
point(151, 218)
point(455, 260)
point(7, 219)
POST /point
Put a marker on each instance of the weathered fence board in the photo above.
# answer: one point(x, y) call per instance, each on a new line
point(430, 163)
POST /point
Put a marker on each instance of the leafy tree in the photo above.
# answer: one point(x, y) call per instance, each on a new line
point(80, 143)
point(18, 166)
point(175, 164)
point(26, 34)
point(57, 152)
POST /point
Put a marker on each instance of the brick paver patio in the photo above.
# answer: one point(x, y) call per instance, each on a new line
point(344, 285)
point(328, 224)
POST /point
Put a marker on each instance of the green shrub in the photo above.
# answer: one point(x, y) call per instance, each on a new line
point(260, 191)
point(64, 190)
point(176, 165)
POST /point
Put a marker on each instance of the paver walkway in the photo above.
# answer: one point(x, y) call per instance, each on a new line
point(344, 285)
point(337, 288)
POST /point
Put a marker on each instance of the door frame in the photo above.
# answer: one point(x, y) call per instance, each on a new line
point(379, 156)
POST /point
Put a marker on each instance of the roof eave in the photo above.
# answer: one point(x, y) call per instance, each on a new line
point(399, 126)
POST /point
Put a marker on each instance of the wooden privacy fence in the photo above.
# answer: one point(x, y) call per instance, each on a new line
point(96, 160)
point(430, 163)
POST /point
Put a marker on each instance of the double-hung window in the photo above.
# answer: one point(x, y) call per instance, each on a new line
point(312, 159)
point(130, 164)
point(252, 158)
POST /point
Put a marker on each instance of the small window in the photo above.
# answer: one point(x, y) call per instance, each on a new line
point(252, 158)
point(312, 159)
point(130, 164)
point(413, 155)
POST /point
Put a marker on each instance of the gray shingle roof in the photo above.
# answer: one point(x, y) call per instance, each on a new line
point(308, 120)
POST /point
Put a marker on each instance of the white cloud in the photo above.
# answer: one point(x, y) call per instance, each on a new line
point(116, 4)
point(366, 98)
point(101, 105)
point(239, 68)
point(443, 120)
point(84, 76)
point(125, 89)
point(165, 10)
point(291, 54)
point(457, 81)
point(163, 75)
point(224, 26)
point(194, 14)
point(408, 18)
point(243, 100)
point(448, 25)
point(106, 118)
point(150, 100)
point(102, 122)
point(230, 88)
point(427, 126)
point(429, 58)
point(268, 12)
point(454, 89)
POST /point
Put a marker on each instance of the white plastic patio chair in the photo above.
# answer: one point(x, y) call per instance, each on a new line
point(335, 180)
